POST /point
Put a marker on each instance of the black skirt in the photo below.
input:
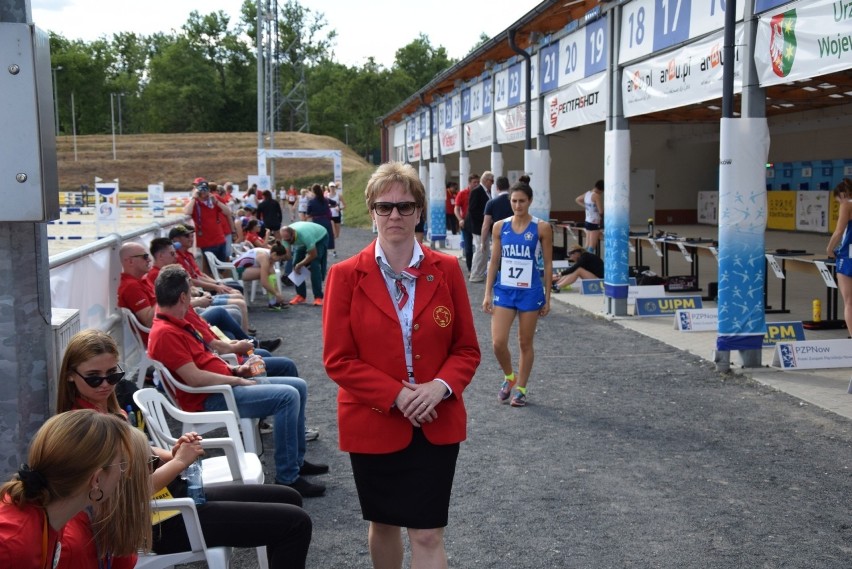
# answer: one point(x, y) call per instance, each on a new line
point(410, 488)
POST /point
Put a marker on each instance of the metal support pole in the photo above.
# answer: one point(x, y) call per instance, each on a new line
point(112, 118)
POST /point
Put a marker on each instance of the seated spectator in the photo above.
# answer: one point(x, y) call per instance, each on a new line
point(163, 252)
point(238, 515)
point(137, 294)
point(252, 234)
point(585, 265)
point(181, 236)
point(180, 347)
point(76, 461)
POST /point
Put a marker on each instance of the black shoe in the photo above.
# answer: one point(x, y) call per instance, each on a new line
point(309, 468)
point(305, 488)
point(270, 345)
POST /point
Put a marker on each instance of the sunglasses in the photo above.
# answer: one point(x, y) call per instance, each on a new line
point(95, 381)
point(386, 208)
point(146, 256)
point(122, 466)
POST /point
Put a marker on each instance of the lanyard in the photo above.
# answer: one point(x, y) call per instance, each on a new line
point(44, 542)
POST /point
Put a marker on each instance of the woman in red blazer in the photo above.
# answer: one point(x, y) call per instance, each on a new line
point(399, 340)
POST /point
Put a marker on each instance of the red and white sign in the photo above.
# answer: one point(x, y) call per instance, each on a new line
point(581, 103)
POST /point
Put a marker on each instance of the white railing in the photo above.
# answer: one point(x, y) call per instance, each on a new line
point(87, 278)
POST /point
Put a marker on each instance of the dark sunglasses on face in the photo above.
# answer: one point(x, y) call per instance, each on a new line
point(386, 208)
point(95, 381)
point(146, 256)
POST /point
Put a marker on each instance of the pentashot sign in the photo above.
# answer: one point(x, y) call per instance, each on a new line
point(665, 306)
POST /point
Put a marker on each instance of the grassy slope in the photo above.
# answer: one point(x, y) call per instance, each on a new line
point(177, 159)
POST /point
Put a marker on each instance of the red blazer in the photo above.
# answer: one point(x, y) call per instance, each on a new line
point(363, 351)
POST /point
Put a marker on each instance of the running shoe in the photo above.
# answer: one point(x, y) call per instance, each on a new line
point(278, 307)
point(505, 391)
point(317, 302)
point(298, 299)
point(519, 399)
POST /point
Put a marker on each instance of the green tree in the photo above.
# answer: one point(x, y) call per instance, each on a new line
point(421, 62)
point(183, 94)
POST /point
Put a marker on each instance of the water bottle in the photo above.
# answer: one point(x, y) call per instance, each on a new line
point(194, 483)
point(257, 367)
point(650, 227)
point(131, 416)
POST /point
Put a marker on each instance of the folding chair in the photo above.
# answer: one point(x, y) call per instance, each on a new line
point(215, 557)
point(236, 465)
point(249, 427)
point(136, 330)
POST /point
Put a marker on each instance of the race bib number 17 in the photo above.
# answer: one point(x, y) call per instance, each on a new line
point(516, 273)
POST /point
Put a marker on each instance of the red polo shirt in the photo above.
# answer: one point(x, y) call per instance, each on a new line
point(174, 345)
point(151, 278)
point(461, 200)
point(187, 261)
point(136, 294)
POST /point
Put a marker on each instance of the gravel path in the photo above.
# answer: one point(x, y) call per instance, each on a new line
point(630, 453)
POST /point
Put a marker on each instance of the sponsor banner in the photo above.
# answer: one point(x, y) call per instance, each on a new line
point(803, 40)
point(783, 332)
point(596, 286)
point(814, 354)
point(511, 123)
point(666, 306)
point(450, 140)
point(478, 133)
point(708, 207)
point(648, 26)
point(591, 286)
point(107, 208)
point(782, 210)
point(690, 74)
point(699, 320)
point(812, 211)
point(157, 199)
point(581, 103)
point(413, 151)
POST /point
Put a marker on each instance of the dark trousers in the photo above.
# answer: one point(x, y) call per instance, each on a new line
point(318, 267)
point(468, 247)
point(247, 515)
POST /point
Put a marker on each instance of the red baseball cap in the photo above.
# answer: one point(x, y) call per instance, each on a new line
point(198, 181)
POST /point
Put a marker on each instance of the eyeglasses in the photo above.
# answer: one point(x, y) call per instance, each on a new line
point(146, 256)
point(386, 208)
point(122, 466)
point(152, 463)
point(96, 381)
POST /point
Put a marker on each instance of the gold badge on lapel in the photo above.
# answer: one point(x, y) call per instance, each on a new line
point(442, 316)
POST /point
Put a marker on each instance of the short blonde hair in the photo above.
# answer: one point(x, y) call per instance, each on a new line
point(395, 173)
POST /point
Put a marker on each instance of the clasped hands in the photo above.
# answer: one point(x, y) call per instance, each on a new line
point(417, 401)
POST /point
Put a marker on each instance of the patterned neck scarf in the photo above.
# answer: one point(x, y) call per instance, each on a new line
point(408, 273)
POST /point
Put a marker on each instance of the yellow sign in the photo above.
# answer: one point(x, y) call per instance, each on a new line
point(782, 210)
point(833, 211)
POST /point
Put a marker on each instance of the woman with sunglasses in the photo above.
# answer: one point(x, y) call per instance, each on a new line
point(235, 515)
point(400, 410)
point(76, 461)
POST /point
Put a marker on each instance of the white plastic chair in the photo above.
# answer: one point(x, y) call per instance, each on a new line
point(216, 266)
point(215, 557)
point(136, 330)
point(236, 465)
point(248, 426)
